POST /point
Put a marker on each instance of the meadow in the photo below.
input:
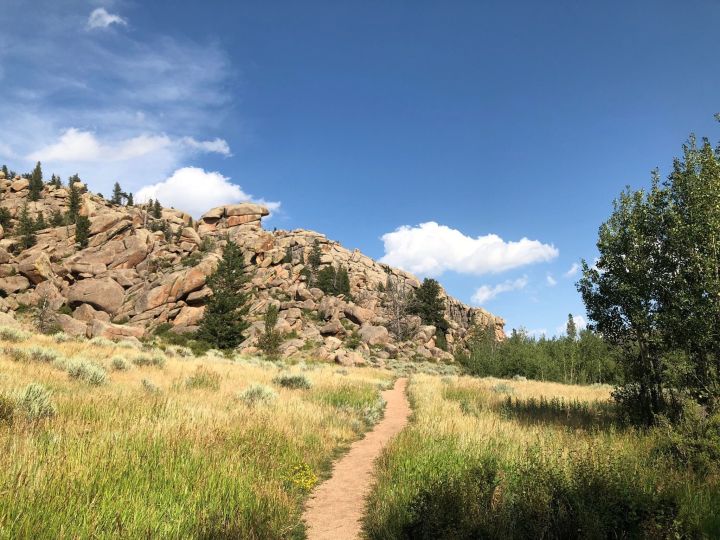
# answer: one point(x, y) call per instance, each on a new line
point(491, 458)
point(102, 440)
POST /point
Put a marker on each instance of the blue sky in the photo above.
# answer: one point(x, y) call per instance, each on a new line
point(478, 142)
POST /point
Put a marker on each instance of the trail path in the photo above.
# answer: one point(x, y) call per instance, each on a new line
point(336, 506)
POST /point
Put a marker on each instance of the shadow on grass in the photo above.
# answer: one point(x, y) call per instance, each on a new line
point(559, 411)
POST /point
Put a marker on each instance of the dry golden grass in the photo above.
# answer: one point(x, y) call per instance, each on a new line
point(179, 461)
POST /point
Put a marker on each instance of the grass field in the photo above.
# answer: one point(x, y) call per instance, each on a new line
point(489, 458)
point(133, 443)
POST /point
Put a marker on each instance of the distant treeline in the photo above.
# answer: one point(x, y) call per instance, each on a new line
point(577, 358)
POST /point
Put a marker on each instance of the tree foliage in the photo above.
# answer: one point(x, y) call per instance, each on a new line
point(26, 228)
point(271, 339)
point(584, 360)
point(82, 231)
point(655, 289)
point(427, 303)
point(36, 183)
point(224, 321)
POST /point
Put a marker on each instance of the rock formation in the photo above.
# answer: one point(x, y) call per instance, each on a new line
point(132, 278)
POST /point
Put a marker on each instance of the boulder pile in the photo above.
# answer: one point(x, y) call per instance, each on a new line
point(134, 276)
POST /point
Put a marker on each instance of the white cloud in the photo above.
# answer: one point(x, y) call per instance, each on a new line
point(551, 281)
point(77, 145)
point(574, 269)
point(132, 109)
point(486, 292)
point(195, 191)
point(217, 145)
point(430, 249)
point(100, 18)
point(537, 333)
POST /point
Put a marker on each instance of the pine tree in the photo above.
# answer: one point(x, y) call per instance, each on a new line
point(428, 305)
point(326, 280)
point(314, 258)
point(270, 340)
point(26, 228)
point(56, 181)
point(40, 222)
point(117, 196)
point(157, 209)
point(36, 183)
point(73, 203)
point(5, 170)
point(56, 219)
point(130, 201)
point(224, 324)
point(73, 179)
point(342, 281)
point(5, 218)
point(82, 231)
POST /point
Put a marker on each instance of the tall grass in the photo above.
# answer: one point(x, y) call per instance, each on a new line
point(547, 462)
point(117, 460)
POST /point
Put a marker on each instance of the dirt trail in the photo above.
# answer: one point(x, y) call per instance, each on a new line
point(336, 506)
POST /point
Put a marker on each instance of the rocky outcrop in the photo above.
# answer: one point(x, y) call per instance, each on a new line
point(139, 272)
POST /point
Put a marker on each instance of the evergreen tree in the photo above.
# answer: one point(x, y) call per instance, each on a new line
point(73, 203)
point(314, 257)
point(36, 183)
point(224, 323)
point(570, 328)
point(428, 305)
point(117, 195)
point(82, 231)
point(56, 181)
point(342, 280)
point(5, 170)
point(26, 228)
point(270, 340)
point(56, 219)
point(73, 179)
point(157, 209)
point(325, 280)
point(5, 218)
point(40, 222)
point(130, 201)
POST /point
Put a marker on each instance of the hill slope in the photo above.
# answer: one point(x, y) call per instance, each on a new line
point(139, 272)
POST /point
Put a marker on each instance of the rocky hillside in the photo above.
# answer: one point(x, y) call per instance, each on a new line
point(138, 272)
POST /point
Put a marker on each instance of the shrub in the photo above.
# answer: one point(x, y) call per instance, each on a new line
point(503, 388)
point(35, 402)
point(158, 360)
point(102, 342)
point(302, 477)
point(294, 382)
point(87, 371)
point(8, 333)
point(42, 354)
point(16, 354)
point(119, 363)
point(150, 386)
point(127, 344)
point(256, 394)
point(7, 408)
point(204, 378)
point(62, 337)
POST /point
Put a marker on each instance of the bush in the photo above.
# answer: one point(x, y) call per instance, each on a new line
point(87, 371)
point(503, 388)
point(119, 363)
point(35, 402)
point(150, 386)
point(257, 394)
point(204, 378)
point(7, 408)
point(102, 342)
point(8, 333)
point(42, 354)
point(157, 359)
point(62, 337)
point(16, 354)
point(294, 382)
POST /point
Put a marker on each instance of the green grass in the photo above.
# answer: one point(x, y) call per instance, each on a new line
point(475, 463)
